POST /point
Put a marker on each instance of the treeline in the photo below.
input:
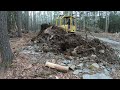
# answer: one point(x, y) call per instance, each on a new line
point(107, 21)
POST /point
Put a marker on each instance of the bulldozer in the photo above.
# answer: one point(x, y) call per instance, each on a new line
point(66, 22)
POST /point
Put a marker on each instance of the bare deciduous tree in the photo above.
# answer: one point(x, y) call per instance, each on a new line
point(6, 52)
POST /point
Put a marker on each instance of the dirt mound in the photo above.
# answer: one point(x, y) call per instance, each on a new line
point(55, 39)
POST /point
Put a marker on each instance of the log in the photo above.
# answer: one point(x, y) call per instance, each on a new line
point(57, 67)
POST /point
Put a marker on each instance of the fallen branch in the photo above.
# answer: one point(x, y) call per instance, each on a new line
point(58, 67)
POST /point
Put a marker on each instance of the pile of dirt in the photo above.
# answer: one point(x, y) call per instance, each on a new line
point(55, 39)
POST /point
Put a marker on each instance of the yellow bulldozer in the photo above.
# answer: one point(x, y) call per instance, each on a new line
point(66, 22)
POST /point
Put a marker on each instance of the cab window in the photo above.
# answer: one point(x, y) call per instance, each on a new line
point(73, 21)
point(68, 21)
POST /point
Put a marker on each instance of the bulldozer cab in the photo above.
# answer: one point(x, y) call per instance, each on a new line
point(66, 22)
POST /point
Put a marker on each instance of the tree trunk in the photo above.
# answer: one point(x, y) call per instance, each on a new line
point(19, 23)
point(6, 52)
point(9, 21)
point(87, 19)
point(106, 23)
point(84, 21)
point(51, 17)
point(27, 21)
point(40, 20)
point(34, 21)
point(94, 25)
point(32, 29)
point(76, 23)
point(80, 14)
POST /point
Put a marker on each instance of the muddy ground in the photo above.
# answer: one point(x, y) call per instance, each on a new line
point(29, 63)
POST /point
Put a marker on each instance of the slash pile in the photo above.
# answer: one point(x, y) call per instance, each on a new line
point(55, 39)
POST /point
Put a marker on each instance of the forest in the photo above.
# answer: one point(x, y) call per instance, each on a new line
point(27, 46)
point(107, 21)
